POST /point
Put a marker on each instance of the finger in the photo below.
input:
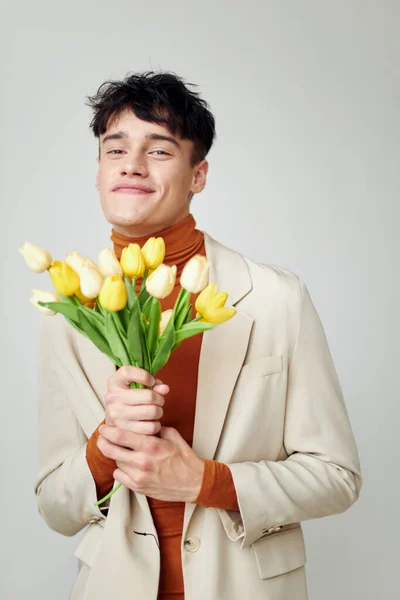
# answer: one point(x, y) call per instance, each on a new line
point(123, 478)
point(129, 439)
point(119, 396)
point(128, 374)
point(161, 388)
point(142, 427)
point(114, 451)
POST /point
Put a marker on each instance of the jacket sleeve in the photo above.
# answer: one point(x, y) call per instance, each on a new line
point(321, 475)
point(64, 488)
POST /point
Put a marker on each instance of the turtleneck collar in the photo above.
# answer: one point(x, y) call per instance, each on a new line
point(182, 241)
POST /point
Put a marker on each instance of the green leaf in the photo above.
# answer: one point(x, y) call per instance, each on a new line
point(134, 334)
point(143, 296)
point(191, 329)
point(115, 341)
point(71, 300)
point(188, 316)
point(181, 309)
point(100, 308)
point(96, 319)
point(146, 357)
point(164, 350)
point(68, 310)
point(154, 326)
point(131, 291)
point(89, 326)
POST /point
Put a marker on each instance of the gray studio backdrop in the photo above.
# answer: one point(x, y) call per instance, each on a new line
point(304, 174)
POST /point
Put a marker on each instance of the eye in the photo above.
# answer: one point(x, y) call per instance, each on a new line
point(162, 152)
point(111, 151)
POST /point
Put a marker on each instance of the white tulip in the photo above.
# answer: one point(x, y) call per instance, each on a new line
point(91, 279)
point(194, 276)
point(109, 264)
point(160, 282)
point(43, 296)
point(76, 261)
point(165, 318)
point(37, 259)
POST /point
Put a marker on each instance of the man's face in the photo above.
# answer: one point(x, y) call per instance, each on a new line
point(135, 155)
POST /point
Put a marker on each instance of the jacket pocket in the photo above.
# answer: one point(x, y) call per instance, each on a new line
point(90, 543)
point(280, 553)
point(262, 366)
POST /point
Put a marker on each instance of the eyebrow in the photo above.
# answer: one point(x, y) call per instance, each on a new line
point(119, 135)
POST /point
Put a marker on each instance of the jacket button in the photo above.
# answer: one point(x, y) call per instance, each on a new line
point(192, 544)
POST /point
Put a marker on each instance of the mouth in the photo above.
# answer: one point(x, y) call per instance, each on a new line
point(132, 191)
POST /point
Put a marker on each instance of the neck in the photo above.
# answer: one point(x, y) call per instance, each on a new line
point(182, 241)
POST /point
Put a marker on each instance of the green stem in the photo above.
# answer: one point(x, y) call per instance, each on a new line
point(146, 272)
point(108, 495)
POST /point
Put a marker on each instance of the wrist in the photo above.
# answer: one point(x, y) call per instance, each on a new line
point(197, 479)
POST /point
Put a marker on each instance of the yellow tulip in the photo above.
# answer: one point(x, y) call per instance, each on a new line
point(210, 305)
point(153, 252)
point(65, 279)
point(113, 295)
point(43, 296)
point(165, 317)
point(132, 261)
point(109, 264)
point(91, 280)
point(161, 281)
point(37, 259)
point(194, 276)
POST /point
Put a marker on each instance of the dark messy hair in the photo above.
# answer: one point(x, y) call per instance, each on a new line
point(159, 98)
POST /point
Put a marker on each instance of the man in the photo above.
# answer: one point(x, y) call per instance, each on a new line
point(243, 434)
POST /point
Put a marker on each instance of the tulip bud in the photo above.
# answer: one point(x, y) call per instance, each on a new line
point(132, 261)
point(153, 252)
point(161, 281)
point(43, 296)
point(76, 261)
point(109, 264)
point(113, 295)
point(65, 279)
point(37, 259)
point(91, 280)
point(165, 317)
point(194, 276)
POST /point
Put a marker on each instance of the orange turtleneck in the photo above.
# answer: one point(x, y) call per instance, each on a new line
point(182, 241)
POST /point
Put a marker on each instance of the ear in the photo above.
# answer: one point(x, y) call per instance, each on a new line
point(199, 177)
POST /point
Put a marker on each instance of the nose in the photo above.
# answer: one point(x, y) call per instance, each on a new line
point(134, 165)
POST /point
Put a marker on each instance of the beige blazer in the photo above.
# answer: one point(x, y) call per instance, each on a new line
point(269, 404)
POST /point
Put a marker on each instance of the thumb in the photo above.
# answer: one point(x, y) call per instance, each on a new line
point(173, 435)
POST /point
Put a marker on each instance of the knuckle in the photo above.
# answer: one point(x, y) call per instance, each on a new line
point(157, 398)
point(155, 411)
point(154, 427)
point(140, 478)
point(147, 396)
point(146, 466)
point(110, 397)
point(120, 436)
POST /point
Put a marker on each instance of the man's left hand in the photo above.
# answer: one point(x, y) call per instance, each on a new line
point(163, 467)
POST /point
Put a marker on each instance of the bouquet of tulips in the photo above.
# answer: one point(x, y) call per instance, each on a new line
point(102, 303)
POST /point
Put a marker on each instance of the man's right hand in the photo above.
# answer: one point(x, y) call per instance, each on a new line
point(135, 409)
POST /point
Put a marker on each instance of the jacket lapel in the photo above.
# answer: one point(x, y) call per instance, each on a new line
point(223, 351)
